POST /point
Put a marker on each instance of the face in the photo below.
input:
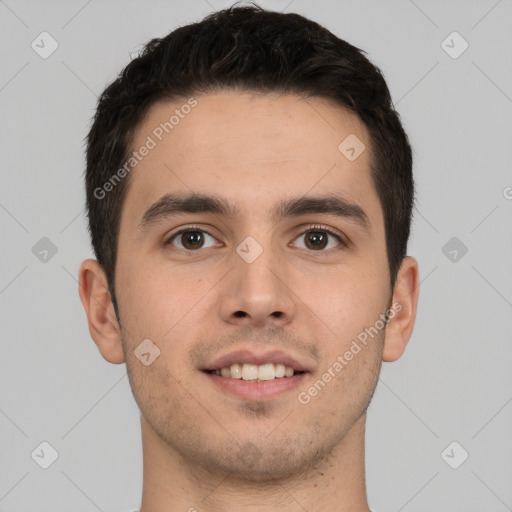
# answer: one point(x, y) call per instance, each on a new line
point(265, 279)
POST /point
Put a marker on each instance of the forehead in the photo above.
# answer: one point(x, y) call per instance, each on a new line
point(252, 149)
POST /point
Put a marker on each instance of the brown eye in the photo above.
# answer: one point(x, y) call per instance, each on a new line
point(190, 239)
point(316, 240)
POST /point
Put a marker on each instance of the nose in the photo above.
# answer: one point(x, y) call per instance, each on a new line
point(256, 292)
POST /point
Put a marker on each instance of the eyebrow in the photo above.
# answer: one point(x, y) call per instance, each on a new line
point(170, 205)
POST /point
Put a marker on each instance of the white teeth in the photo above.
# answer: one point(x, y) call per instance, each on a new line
point(280, 370)
point(235, 371)
point(247, 371)
point(266, 372)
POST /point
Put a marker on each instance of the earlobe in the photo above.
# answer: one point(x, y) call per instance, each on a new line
point(402, 311)
point(97, 302)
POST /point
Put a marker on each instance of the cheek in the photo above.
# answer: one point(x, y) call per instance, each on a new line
point(156, 299)
point(156, 389)
point(348, 301)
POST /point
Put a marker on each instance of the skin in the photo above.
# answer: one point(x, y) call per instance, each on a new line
point(203, 448)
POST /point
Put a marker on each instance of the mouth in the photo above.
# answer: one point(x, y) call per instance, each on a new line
point(256, 377)
point(253, 372)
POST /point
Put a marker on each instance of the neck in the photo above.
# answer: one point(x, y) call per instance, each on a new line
point(173, 484)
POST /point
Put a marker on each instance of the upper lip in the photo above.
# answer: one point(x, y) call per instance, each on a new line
point(252, 357)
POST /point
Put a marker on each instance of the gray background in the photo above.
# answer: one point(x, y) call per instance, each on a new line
point(454, 382)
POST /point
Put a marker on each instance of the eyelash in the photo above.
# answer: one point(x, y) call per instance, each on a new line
point(311, 228)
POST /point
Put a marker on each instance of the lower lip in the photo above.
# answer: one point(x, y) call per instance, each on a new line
point(256, 390)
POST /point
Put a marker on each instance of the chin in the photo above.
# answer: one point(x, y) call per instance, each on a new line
point(264, 461)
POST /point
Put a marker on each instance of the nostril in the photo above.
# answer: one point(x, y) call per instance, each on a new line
point(240, 314)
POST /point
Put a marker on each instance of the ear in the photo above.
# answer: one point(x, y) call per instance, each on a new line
point(403, 310)
point(97, 302)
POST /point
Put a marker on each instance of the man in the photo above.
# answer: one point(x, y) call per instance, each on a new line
point(249, 192)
